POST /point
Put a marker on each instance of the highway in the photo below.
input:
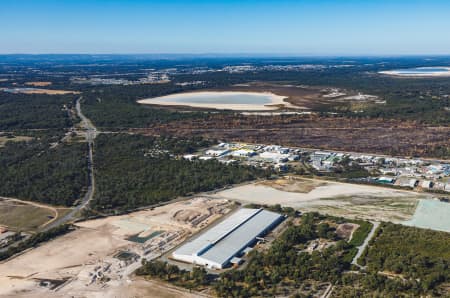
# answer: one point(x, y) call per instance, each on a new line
point(90, 134)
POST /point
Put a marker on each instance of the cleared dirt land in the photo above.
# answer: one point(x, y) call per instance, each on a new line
point(86, 262)
point(340, 199)
point(4, 139)
point(21, 215)
point(38, 84)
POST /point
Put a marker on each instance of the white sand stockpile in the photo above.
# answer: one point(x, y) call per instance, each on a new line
point(184, 99)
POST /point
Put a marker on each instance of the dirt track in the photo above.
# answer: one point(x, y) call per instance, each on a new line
point(52, 209)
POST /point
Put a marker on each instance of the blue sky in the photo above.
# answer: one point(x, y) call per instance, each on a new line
point(301, 27)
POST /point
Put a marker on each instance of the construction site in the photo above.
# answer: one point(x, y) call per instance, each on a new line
point(101, 255)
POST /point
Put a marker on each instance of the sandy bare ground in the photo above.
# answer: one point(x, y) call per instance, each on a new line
point(3, 140)
point(146, 288)
point(171, 100)
point(172, 217)
point(49, 92)
point(78, 255)
point(63, 257)
point(135, 288)
point(38, 84)
point(340, 199)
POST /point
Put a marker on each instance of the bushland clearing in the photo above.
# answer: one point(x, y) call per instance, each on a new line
point(38, 84)
point(4, 139)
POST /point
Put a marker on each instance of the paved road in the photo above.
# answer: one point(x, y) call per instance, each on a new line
point(364, 245)
point(91, 134)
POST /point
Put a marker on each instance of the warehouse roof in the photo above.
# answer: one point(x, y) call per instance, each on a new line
point(240, 238)
point(222, 242)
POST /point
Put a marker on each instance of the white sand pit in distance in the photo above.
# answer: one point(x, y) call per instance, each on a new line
point(226, 100)
point(436, 71)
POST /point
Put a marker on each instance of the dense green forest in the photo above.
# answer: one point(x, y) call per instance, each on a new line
point(34, 111)
point(134, 170)
point(115, 107)
point(34, 171)
point(414, 254)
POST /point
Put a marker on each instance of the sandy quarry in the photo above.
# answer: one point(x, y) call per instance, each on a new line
point(91, 249)
point(171, 100)
point(340, 199)
point(418, 74)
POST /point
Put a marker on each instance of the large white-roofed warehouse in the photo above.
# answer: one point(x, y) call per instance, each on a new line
point(219, 245)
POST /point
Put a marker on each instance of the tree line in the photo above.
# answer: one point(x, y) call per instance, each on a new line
point(135, 170)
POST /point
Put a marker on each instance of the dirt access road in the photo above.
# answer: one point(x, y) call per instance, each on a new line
point(364, 245)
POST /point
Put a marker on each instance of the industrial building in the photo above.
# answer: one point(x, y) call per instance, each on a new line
point(220, 245)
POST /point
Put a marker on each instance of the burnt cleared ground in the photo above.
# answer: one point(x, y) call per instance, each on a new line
point(380, 136)
point(301, 96)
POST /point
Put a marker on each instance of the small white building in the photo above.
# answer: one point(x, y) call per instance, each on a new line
point(190, 156)
point(294, 157)
point(426, 184)
point(243, 153)
point(274, 156)
point(205, 158)
point(217, 153)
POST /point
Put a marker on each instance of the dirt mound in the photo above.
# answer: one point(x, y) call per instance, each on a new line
point(345, 230)
point(186, 215)
point(38, 84)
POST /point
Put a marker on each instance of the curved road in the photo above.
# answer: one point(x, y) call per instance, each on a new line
point(91, 134)
point(364, 245)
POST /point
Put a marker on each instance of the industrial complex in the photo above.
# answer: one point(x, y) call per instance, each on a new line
point(220, 246)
